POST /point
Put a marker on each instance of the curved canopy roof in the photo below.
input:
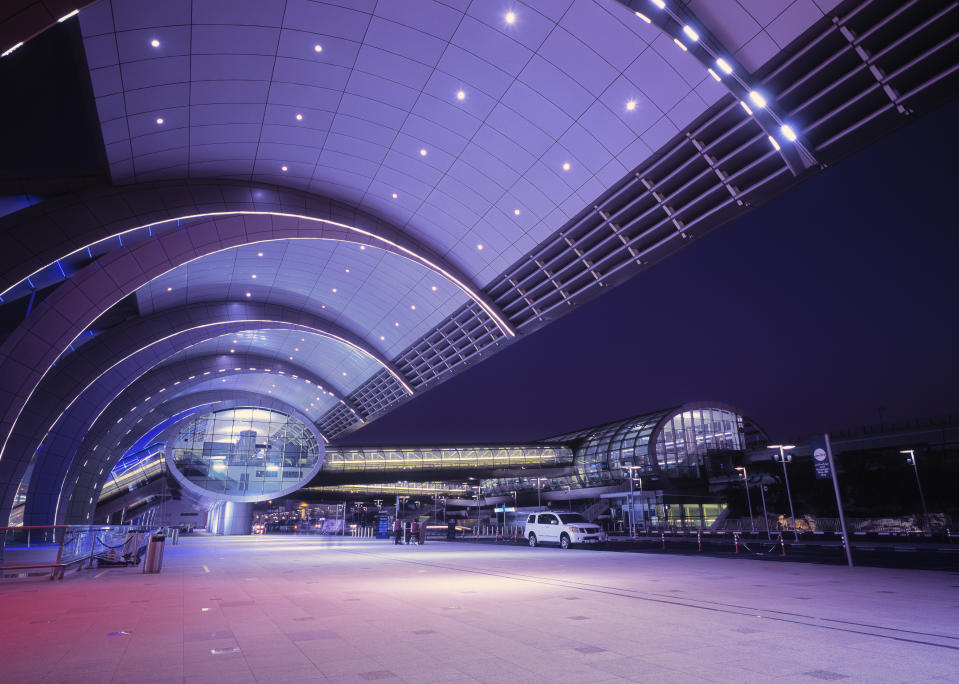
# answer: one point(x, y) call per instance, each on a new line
point(430, 178)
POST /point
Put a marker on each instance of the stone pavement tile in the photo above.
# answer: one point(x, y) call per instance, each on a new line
point(291, 675)
point(214, 678)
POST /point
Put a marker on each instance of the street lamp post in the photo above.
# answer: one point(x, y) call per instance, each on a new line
point(912, 461)
point(762, 495)
point(749, 501)
point(632, 504)
point(539, 502)
point(783, 448)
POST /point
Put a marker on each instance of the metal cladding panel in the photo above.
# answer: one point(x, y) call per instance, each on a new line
point(343, 99)
point(296, 393)
point(340, 365)
point(386, 299)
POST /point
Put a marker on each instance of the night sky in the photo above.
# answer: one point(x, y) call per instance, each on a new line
point(815, 312)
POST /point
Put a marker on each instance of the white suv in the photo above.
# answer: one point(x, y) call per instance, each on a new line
point(563, 529)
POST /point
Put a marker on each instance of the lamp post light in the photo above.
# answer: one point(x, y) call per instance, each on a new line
point(762, 495)
point(749, 501)
point(539, 502)
point(783, 457)
point(912, 461)
point(632, 505)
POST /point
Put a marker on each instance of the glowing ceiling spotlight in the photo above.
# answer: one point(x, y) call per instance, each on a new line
point(724, 65)
point(746, 107)
point(661, 4)
point(713, 74)
point(788, 133)
point(680, 44)
point(644, 17)
point(757, 99)
point(67, 16)
point(510, 17)
point(690, 33)
point(772, 141)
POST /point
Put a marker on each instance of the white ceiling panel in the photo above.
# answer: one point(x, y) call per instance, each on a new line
point(493, 104)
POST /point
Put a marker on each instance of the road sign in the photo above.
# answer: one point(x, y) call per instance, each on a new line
point(820, 458)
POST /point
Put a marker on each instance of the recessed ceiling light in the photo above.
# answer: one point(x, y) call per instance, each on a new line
point(479, 247)
point(155, 43)
point(772, 141)
point(644, 17)
point(516, 212)
point(344, 372)
point(291, 358)
point(283, 168)
point(394, 197)
point(234, 341)
point(566, 166)
point(67, 16)
point(347, 270)
point(422, 151)
point(396, 324)
point(362, 248)
point(788, 132)
point(302, 339)
point(259, 254)
point(413, 306)
point(460, 94)
point(159, 120)
point(253, 275)
point(232, 351)
point(724, 65)
point(299, 117)
point(317, 48)
point(746, 107)
point(757, 99)
point(631, 105)
point(249, 294)
point(334, 290)
point(659, 3)
point(511, 17)
point(169, 289)
point(296, 349)
point(690, 33)
point(713, 73)
point(382, 338)
point(680, 44)
point(433, 288)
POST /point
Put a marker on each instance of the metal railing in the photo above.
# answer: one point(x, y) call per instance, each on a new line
point(55, 547)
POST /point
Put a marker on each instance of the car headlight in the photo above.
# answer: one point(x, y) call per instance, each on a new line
point(574, 529)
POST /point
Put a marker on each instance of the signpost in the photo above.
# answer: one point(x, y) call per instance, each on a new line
point(826, 469)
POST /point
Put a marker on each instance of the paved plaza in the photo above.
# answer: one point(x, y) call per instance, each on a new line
point(287, 609)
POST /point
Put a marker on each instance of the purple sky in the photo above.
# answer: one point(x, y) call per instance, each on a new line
point(812, 313)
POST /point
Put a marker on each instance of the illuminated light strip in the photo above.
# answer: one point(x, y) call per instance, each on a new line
point(411, 255)
point(67, 16)
point(317, 331)
point(11, 49)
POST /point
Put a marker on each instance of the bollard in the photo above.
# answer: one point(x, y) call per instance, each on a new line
point(699, 541)
point(736, 541)
point(782, 544)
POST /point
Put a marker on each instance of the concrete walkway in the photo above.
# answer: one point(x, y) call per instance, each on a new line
point(284, 609)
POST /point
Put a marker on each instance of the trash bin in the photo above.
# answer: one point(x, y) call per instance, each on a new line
point(154, 559)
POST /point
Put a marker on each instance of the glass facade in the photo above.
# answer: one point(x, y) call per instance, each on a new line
point(685, 439)
point(428, 458)
point(245, 451)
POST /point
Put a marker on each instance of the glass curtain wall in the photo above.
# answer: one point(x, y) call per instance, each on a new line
point(245, 451)
point(688, 436)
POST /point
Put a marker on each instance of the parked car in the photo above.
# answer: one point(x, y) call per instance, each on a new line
point(563, 529)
